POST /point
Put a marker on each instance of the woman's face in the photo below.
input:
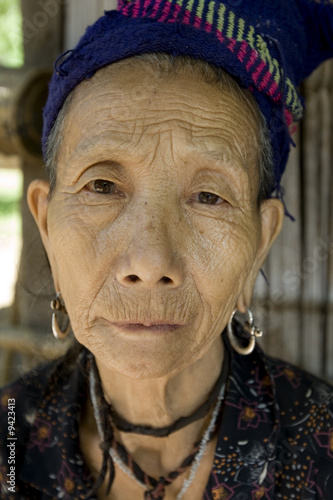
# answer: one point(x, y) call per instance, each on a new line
point(153, 230)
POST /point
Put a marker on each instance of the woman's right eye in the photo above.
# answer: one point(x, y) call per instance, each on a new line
point(101, 186)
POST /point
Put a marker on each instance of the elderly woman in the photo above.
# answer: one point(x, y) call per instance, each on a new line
point(157, 217)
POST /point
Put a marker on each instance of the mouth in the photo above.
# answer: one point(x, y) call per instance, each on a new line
point(159, 326)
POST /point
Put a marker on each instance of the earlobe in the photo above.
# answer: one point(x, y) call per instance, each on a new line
point(272, 217)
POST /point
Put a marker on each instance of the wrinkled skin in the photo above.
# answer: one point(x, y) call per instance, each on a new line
point(161, 150)
point(153, 247)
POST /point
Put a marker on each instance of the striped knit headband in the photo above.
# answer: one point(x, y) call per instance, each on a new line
point(269, 46)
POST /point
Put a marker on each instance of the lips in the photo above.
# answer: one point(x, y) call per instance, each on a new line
point(148, 326)
point(148, 323)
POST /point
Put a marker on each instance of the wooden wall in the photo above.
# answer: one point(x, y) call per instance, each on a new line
point(81, 13)
point(43, 40)
point(25, 326)
point(296, 309)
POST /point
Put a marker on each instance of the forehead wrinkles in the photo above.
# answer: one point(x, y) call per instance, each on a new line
point(124, 113)
point(133, 123)
point(188, 102)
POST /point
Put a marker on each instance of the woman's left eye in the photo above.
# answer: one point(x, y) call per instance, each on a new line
point(209, 198)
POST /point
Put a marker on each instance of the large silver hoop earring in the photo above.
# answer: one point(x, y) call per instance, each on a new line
point(249, 328)
point(57, 305)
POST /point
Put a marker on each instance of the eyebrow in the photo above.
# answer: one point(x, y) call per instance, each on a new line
point(113, 167)
point(89, 148)
point(224, 164)
point(223, 157)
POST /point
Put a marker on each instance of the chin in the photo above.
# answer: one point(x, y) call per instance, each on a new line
point(138, 361)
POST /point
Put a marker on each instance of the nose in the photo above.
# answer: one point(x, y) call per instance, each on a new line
point(150, 260)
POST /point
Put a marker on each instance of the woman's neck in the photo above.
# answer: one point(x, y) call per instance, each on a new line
point(158, 403)
point(161, 401)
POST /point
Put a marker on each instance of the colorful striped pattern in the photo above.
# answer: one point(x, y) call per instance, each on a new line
point(241, 39)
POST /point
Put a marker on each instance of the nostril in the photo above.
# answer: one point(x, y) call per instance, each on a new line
point(133, 278)
point(165, 279)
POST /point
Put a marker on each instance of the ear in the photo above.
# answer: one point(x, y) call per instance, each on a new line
point(272, 217)
point(38, 201)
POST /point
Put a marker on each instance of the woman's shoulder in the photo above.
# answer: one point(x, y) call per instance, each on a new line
point(295, 387)
point(18, 403)
point(277, 429)
point(20, 398)
point(29, 409)
point(29, 385)
point(305, 405)
point(23, 395)
point(289, 385)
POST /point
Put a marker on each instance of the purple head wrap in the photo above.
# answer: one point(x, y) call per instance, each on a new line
point(269, 46)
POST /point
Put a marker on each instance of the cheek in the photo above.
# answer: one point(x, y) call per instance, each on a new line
point(75, 251)
point(221, 260)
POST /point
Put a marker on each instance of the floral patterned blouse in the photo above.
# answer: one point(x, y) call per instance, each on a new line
point(275, 439)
